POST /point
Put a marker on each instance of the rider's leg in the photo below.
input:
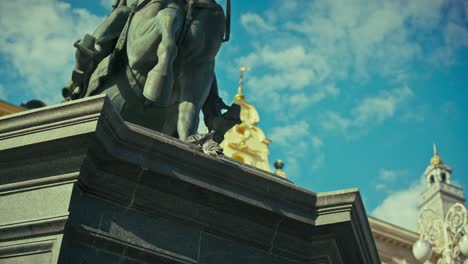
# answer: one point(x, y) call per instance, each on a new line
point(109, 30)
point(101, 44)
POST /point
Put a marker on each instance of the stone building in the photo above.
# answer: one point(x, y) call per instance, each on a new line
point(395, 243)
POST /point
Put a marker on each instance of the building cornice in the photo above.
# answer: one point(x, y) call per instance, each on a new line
point(392, 233)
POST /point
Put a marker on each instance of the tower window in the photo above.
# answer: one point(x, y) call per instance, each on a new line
point(431, 179)
point(444, 177)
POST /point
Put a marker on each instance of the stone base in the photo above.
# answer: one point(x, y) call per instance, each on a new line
point(79, 185)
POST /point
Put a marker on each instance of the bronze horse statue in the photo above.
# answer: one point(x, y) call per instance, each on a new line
point(155, 60)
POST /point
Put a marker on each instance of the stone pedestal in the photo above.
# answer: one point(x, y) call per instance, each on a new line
point(79, 185)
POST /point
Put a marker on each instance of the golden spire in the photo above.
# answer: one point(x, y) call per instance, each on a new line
point(436, 159)
point(240, 89)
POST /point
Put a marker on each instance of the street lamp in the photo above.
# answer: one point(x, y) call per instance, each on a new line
point(448, 238)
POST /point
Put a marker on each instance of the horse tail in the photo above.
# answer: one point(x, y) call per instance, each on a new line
point(211, 108)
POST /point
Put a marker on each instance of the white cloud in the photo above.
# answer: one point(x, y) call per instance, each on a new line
point(292, 168)
point(254, 23)
point(401, 208)
point(316, 142)
point(381, 186)
point(318, 155)
point(37, 42)
point(333, 121)
point(381, 107)
point(3, 92)
point(291, 138)
point(455, 37)
point(350, 41)
point(107, 3)
point(388, 178)
point(370, 110)
point(390, 175)
point(361, 36)
point(466, 10)
point(418, 114)
point(285, 134)
point(302, 100)
point(292, 70)
point(449, 107)
point(292, 67)
point(325, 42)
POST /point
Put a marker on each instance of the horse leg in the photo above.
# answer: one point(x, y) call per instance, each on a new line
point(170, 121)
point(188, 119)
point(160, 79)
point(194, 88)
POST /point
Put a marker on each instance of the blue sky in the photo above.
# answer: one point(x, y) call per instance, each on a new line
point(352, 93)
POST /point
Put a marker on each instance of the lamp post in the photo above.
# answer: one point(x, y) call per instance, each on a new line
point(447, 237)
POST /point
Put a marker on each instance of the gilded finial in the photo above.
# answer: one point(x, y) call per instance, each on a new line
point(240, 89)
point(279, 165)
point(436, 159)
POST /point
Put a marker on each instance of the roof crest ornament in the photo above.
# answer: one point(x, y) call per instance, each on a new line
point(240, 89)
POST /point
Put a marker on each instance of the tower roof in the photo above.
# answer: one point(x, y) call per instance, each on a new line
point(436, 159)
point(436, 162)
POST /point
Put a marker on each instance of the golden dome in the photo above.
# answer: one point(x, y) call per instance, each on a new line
point(436, 159)
point(246, 142)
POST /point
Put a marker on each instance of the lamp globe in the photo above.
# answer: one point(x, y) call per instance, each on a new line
point(422, 250)
point(464, 245)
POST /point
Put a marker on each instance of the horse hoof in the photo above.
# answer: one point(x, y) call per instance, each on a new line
point(212, 148)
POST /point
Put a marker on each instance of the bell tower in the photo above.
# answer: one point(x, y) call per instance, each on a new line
point(440, 193)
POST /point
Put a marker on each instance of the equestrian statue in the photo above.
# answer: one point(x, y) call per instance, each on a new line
point(155, 60)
